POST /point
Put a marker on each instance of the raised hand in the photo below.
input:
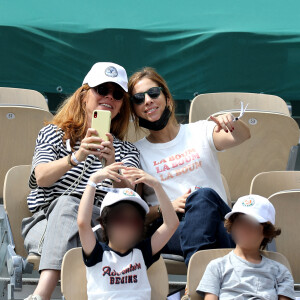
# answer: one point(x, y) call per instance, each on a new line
point(89, 145)
point(107, 150)
point(109, 172)
point(224, 122)
point(135, 176)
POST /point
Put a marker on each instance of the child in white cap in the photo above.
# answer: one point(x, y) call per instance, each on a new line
point(117, 267)
point(245, 273)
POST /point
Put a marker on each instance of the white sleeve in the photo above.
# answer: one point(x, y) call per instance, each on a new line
point(207, 127)
point(210, 126)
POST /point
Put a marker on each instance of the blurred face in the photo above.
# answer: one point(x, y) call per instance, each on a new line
point(152, 108)
point(125, 226)
point(247, 232)
point(107, 96)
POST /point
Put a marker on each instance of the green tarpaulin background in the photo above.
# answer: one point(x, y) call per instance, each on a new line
point(198, 46)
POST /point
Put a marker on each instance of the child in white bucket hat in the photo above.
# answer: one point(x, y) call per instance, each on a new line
point(245, 273)
point(117, 267)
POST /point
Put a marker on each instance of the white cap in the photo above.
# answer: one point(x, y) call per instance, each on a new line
point(119, 195)
point(258, 207)
point(102, 72)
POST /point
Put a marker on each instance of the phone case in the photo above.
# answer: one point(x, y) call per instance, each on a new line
point(101, 122)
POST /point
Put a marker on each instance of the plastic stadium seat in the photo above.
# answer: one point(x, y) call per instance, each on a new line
point(24, 97)
point(19, 128)
point(268, 183)
point(205, 105)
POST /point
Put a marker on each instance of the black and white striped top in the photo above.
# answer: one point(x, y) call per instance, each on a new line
point(50, 147)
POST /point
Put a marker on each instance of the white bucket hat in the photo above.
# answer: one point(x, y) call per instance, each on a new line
point(102, 72)
point(119, 195)
point(255, 206)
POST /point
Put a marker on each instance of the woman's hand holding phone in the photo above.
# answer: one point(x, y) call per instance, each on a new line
point(91, 144)
point(107, 150)
point(98, 141)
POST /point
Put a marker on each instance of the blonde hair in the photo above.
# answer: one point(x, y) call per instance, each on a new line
point(150, 73)
point(71, 117)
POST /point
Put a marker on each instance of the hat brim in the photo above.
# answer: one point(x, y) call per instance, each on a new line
point(258, 218)
point(97, 82)
point(139, 201)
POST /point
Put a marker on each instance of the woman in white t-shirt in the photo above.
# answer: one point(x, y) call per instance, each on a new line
point(184, 159)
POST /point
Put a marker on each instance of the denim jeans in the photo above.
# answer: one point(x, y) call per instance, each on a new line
point(201, 227)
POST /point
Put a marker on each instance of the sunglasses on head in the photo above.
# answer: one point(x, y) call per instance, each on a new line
point(104, 89)
point(153, 93)
point(136, 222)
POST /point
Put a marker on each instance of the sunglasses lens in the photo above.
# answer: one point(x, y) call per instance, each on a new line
point(138, 98)
point(102, 90)
point(154, 92)
point(118, 94)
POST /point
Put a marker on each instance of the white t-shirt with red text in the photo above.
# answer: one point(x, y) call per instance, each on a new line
point(188, 161)
point(115, 276)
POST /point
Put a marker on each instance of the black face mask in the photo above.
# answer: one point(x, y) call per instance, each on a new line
point(160, 124)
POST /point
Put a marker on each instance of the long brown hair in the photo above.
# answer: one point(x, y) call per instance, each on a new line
point(71, 117)
point(150, 73)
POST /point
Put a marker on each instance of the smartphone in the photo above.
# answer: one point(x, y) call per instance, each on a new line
point(101, 122)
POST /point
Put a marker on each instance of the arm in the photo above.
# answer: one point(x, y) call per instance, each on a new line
point(283, 298)
point(85, 210)
point(227, 133)
point(171, 222)
point(210, 297)
point(108, 152)
point(48, 173)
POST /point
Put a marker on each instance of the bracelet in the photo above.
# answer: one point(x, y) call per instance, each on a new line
point(75, 159)
point(91, 183)
point(159, 210)
point(69, 161)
